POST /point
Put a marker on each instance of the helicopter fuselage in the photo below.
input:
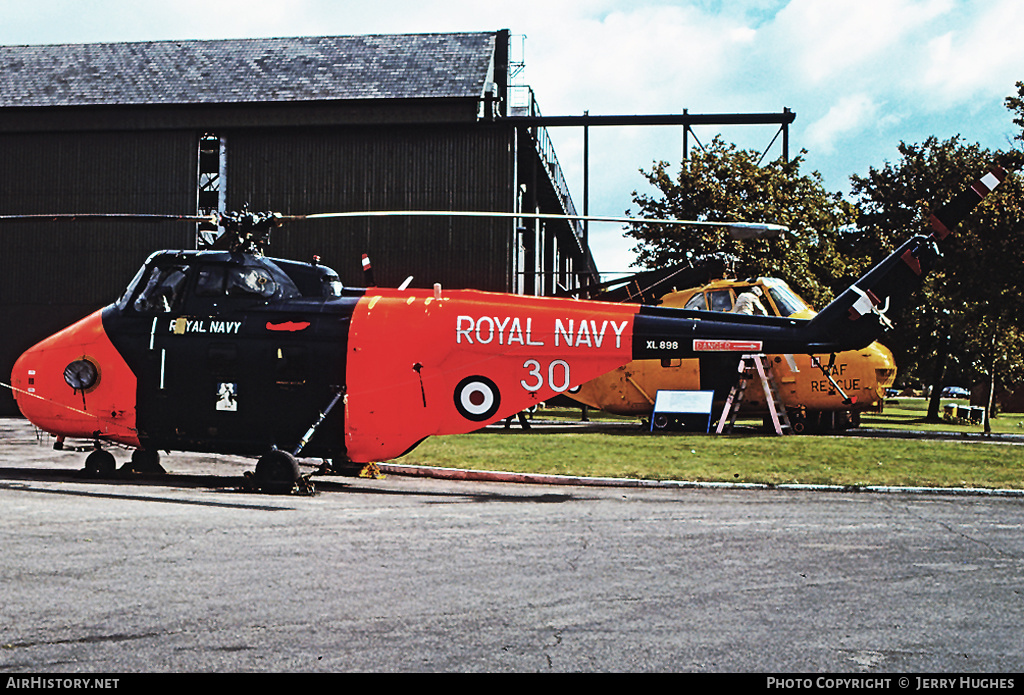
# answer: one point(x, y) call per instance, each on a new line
point(233, 352)
point(239, 354)
point(205, 351)
point(804, 388)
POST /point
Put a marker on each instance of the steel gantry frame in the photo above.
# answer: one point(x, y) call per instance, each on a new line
point(685, 119)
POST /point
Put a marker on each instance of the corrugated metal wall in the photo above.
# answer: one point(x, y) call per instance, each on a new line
point(49, 263)
point(341, 169)
point(54, 273)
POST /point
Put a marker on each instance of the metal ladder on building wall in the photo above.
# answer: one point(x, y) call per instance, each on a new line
point(748, 366)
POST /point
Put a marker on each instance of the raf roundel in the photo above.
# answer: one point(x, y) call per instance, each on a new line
point(477, 398)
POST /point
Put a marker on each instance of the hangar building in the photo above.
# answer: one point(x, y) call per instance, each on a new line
point(293, 125)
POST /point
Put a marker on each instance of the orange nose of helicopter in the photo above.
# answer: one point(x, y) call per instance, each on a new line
point(75, 384)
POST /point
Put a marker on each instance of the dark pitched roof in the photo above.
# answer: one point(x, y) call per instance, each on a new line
point(247, 70)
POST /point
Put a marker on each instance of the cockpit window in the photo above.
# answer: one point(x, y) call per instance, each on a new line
point(254, 282)
point(312, 279)
point(172, 287)
point(712, 300)
point(162, 291)
point(249, 282)
point(696, 302)
point(221, 280)
point(331, 285)
point(210, 282)
point(785, 300)
point(720, 300)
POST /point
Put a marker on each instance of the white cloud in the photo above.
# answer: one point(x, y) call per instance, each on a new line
point(643, 58)
point(850, 115)
point(861, 75)
point(977, 59)
point(829, 40)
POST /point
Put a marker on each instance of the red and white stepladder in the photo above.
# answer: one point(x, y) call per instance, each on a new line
point(748, 365)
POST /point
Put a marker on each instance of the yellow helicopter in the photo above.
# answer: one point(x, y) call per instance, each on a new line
point(819, 392)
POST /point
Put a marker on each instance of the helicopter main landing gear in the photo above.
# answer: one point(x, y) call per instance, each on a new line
point(277, 472)
point(144, 461)
point(822, 422)
point(100, 463)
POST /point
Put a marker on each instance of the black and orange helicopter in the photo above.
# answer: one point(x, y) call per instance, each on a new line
point(229, 351)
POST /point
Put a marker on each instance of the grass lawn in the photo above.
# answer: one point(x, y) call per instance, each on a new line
point(750, 456)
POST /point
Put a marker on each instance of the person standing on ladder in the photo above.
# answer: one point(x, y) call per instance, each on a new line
point(749, 302)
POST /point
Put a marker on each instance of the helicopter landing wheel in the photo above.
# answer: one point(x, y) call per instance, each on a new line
point(277, 471)
point(100, 464)
point(146, 461)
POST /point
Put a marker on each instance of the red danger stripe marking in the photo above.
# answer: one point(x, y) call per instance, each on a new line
point(289, 326)
point(727, 345)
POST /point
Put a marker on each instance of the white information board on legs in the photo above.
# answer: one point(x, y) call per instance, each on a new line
point(688, 410)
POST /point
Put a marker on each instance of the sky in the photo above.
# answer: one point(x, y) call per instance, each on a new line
point(860, 75)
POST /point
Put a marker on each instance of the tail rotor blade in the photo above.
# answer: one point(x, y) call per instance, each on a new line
point(946, 218)
point(859, 315)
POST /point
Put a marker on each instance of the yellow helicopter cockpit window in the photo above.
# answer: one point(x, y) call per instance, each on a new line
point(696, 302)
point(720, 300)
point(785, 300)
point(777, 298)
point(712, 300)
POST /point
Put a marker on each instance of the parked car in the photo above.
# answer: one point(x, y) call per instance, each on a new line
point(955, 392)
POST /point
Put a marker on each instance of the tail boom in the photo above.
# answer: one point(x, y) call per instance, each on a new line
point(860, 315)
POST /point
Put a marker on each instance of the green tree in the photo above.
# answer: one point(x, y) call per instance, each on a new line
point(726, 184)
point(964, 322)
point(1016, 106)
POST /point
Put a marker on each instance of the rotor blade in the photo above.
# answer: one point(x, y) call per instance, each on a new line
point(741, 229)
point(738, 230)
point(864, 308)
point(949, 215)
point(92, 216)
